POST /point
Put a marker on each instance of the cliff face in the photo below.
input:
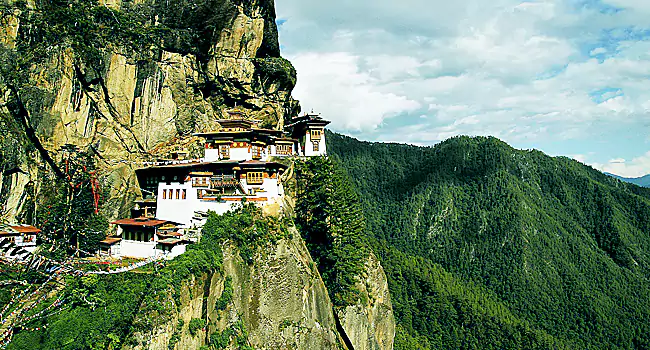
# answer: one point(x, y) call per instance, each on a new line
point(278, 301)
point(209, 56)
point(370, 324)
point(89, 86)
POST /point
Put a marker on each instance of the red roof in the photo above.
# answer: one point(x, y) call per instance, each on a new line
point(26, 229)
point(111, 240)
point(143, 222)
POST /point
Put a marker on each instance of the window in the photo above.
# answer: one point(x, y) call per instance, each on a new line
point(164, 194)
point(224, 151)
point(284, 149)
point(316, 146)
point(315, 134)
point(178, 194)
point(255, 178)
point(257, 152)
point(200, 181)
point(184, 194)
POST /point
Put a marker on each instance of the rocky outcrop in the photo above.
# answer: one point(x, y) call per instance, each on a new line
point(125, 103)
point(370, 324)
point(279, 300)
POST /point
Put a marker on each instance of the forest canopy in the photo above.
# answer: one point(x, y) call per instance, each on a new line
point(486, 246)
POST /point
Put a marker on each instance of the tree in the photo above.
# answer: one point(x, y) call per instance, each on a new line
point(330, 218)
point(69, 214)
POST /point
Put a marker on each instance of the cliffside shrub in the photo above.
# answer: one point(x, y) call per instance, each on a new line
point(226, 295)
point(235, 334)
point(67, 214)
point(246, 227)
point(195, 325)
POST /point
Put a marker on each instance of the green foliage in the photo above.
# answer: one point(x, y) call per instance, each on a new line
point(490, 247)
point(195, 325)
point(246, 227)
point(226, 295)
point(105, 310)
point(194, 25)
point(99, 315)
point(86, 28)
point(236, 334)
point(176, 337)
point(199, 259)
point(330, 218)
point(67, 214)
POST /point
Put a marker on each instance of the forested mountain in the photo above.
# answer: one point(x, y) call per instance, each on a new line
point(643, 181)
point(486, 246)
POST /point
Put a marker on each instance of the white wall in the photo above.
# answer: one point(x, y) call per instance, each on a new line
point(212, 155)
point(309, 146)
point(116, 249)
point(176, 251)
point(137, 249)
point(270, 186)
point(182, 211)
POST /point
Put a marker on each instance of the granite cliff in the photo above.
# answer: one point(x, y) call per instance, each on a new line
point(128, 81)
point(121, 78)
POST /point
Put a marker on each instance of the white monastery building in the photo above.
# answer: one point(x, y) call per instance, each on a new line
point(238, 165)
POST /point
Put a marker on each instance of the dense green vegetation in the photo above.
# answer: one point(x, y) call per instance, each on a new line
point(68, 213)
point(486, 246)
point(330, 218)
point(103, 312)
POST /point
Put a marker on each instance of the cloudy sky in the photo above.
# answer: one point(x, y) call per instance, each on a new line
point(568, 77)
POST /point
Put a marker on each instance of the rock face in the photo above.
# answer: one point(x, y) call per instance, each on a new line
point(126, 107)
point(279, 300)
point(124, 104)
point(370, 324)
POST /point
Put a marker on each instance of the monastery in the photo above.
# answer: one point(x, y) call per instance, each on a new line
point(239, 164)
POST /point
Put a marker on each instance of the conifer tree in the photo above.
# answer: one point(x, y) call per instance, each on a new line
point(331, 220)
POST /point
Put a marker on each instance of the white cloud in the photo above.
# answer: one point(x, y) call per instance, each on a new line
point(332, 84)
point(598, 51)
point(530, 72)
point(579, 157)
point(636, 167)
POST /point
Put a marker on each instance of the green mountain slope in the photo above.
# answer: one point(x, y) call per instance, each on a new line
point(472, 228)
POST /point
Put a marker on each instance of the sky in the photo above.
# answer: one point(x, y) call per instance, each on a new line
point(568, 77)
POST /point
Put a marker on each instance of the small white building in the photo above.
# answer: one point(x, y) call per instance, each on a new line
point(16, 239)
point(309, 130)
point(144, 238)
point(110, 247)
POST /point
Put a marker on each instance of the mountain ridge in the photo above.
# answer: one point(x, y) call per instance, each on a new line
point(643, 181)
point(559, 244)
